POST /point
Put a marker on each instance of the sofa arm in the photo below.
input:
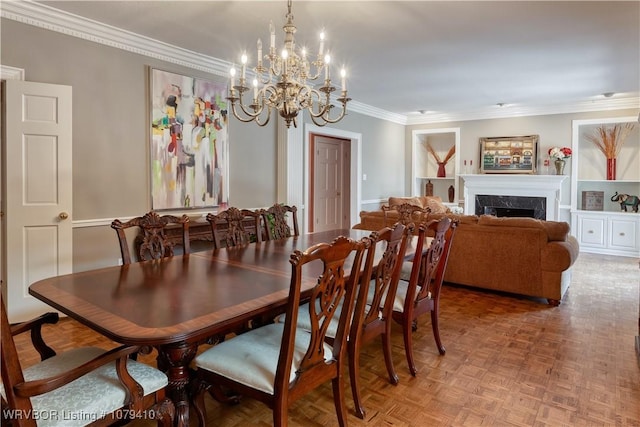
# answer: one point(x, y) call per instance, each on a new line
point(559, 256)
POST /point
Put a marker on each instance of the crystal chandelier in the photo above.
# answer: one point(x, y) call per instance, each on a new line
point(283, 83)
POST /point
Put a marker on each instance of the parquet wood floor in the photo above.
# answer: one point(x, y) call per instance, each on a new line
point(510, 361)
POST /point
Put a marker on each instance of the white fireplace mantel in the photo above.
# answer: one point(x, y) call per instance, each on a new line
point(547, 186)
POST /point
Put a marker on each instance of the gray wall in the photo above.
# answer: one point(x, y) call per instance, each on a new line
point(110, 135)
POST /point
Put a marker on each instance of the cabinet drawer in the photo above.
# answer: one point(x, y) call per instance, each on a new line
point(624, 234)
point(592, 231)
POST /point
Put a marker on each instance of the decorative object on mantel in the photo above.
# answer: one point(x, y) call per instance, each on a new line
point(559, 156)
point(429, 188)
point(286, 83)
point(451, 193)
point(626, 200)
point(609, 141)
point(441, 163)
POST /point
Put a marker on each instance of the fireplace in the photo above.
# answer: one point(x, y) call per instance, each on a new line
point(540, 193)
point(518, 206)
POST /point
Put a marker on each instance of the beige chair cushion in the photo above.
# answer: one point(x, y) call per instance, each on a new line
point(252, 358)
point(401, 296)
point(89, 397)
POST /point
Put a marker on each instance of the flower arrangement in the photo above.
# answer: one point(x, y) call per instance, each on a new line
point(558, 153)
point(610, 140)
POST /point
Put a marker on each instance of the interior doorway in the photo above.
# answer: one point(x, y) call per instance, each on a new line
point(330, 184)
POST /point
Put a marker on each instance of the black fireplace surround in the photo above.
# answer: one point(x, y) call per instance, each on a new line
point(518, 206)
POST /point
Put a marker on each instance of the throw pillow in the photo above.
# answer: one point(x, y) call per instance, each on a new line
point(414, 201)
point(436, 206)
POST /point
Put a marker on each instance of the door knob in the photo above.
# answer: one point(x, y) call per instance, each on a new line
point(63, 215)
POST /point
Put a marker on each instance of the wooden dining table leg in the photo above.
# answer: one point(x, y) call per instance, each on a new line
point(174, 360)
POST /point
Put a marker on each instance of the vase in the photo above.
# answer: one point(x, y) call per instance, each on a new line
point(611, 169)
point(441, 170)
point(451, 193)
point(559, 166)
point(429, 188)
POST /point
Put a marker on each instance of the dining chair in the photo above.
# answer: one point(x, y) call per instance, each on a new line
point(276, 223)
point(374, 304)
point(235, 227)
point(406, 213)
point(79, 387)
point(279, 363)
point(152, 242)
point(421, 293)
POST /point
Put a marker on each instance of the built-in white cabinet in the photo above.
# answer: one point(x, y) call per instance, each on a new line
point(602, 226)
point(424, 167)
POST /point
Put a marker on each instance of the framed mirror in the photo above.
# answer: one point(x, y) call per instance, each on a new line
point(509, 154)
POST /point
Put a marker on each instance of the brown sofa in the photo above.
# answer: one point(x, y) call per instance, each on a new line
point(518, 255)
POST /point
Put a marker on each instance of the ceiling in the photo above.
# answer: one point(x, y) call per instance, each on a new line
point(447, 58)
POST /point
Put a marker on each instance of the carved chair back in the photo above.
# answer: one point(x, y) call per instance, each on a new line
point(276, 223)
point(235, 227)
point(407, 213)
point(152, 242)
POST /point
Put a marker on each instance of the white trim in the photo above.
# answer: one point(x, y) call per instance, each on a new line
point(547, 186)
point(11, 73)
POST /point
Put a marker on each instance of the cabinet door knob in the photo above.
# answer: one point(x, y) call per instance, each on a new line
point(622, 234)
point(590, 231)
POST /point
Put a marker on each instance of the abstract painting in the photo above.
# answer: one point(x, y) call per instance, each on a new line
point(189, 142)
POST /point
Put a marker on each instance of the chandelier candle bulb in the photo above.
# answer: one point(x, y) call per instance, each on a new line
point(343, 74)
point(272, 30)
point(259, 53)
point(232, 73)
point(327, 60)
point(255, 91)
point(285, 55)
point(243, 59)
point(321, 50)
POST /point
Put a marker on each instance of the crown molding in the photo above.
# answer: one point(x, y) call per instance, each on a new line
point(46, 17)
point(495, 112)
point(49, 18)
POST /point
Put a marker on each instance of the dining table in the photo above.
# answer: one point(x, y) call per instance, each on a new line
point(177, 303)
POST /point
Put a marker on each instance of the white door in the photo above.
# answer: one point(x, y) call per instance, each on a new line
point(329, 185)
point(36, 191)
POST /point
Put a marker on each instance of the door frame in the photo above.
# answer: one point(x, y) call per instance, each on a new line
point(355, 168)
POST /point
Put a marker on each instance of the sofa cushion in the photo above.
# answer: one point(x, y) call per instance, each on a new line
point(557, 231)
point(509, 221)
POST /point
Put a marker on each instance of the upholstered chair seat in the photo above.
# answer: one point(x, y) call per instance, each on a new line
point(92, 395)
point(252, 358)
